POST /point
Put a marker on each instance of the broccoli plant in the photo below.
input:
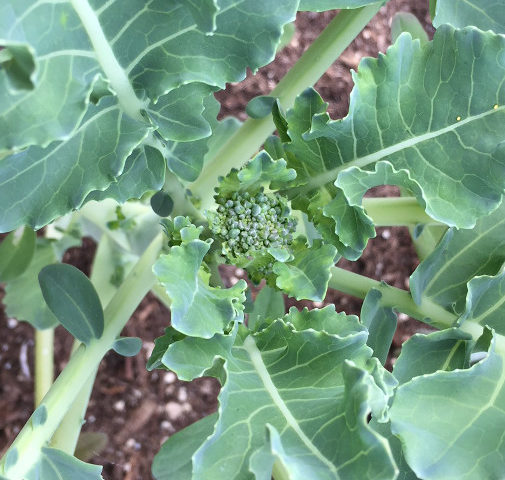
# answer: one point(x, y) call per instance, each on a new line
point(109, 129)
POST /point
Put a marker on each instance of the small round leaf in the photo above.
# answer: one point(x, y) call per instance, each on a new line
point(127, 346)
point(162, 203)
point(72, 298)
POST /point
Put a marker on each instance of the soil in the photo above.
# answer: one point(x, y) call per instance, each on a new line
point(138, 410)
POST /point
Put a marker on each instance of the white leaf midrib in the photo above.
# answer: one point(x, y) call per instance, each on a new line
point(410, 142)
point(116, 75)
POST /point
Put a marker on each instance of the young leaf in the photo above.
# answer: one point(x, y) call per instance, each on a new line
point(461, 255)
point(485, 302)
point(269, 305)
point(483, 14)
point(16, 253)
point(174, 113)
point(162, 204)
point(194, 357)
point(186, 159)
point(438, 418)
point(260, 107)
point(260, 171)
point(197, 308)
point(73, 300)
point(381, 323)
point(161, 345)
point(143, 170)
point(324, 320)
point(174, 460)
point(307, 275)
point(127, 346)
point(424, 354)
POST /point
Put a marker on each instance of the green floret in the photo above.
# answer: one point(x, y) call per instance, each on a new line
point(251, 224)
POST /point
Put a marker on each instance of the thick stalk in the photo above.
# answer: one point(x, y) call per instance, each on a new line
point(427, 312)
point(310, 67)
point(359, 285)
point(82, 365)
point(428, 240)
point(396, 211)
point(425, 242)
point(44, 363)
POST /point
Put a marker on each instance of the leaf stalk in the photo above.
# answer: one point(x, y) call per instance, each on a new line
point(401, 300)
point(44, 363)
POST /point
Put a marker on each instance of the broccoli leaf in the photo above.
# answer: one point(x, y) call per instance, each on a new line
point(485, 302)
point(261, 171)
point(23, 299)
point(16, 253)
point(71, 297)
point(197, 308)
point(461, 255)
point(288, 370)
point(424, 354)
point(381, 324)
point(174, 460)
point(418, 119)
point(483, 14)
point(451, 423)
point(57, 179)
point(55, 464)
point(268, 305)
point(306, 276)
point(107, 76)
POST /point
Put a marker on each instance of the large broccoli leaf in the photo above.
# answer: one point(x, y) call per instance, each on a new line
point(426, 118)
point(296, 394)
point(451, 423)
point(156, 63)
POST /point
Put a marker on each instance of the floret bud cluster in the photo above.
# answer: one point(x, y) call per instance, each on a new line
point(248, 224)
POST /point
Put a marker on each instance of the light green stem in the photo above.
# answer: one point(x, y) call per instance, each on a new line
point(67, 435)
point(359, 285)
point(401, 300)
point(82, 365)
point(428, 240)
point(310, 67)
point(396, 211)
point(44, 363)
point(431, 234)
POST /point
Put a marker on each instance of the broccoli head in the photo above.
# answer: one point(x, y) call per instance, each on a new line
point(249, 224)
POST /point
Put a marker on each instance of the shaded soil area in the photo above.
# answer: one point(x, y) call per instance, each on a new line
point(137, 409)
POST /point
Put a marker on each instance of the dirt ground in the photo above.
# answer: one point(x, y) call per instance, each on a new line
point(137, 409)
